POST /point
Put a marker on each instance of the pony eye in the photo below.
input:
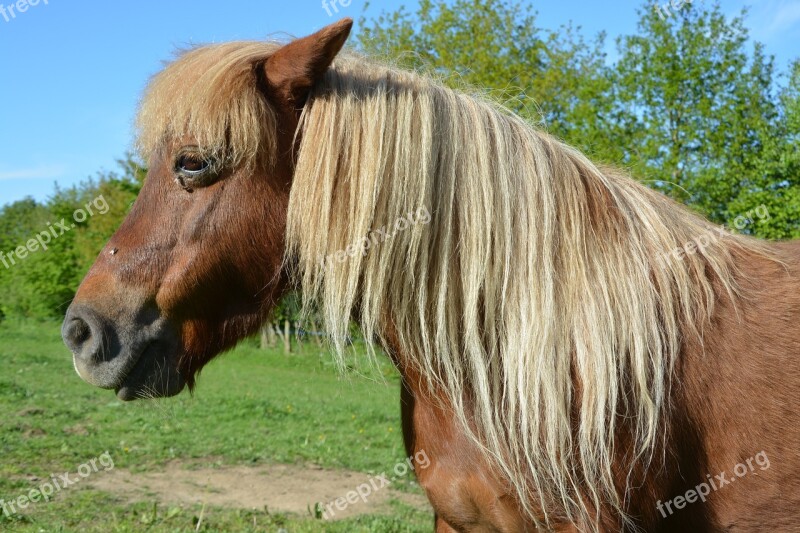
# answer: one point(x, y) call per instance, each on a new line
point(193, 169)
point(192, 164)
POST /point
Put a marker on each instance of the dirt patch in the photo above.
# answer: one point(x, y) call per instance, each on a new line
point(285, 488)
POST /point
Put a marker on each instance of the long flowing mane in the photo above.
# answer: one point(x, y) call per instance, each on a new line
point(540, 301)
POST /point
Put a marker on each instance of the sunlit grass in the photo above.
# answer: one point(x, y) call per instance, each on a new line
point(251, 406)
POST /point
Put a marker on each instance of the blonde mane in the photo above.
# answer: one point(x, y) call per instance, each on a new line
point(537, 271)
point(541, 287)
point(209, 94)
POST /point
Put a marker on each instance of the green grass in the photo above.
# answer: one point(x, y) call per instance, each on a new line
point(251, 407)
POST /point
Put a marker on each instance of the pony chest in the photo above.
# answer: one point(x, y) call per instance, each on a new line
point(464, 491)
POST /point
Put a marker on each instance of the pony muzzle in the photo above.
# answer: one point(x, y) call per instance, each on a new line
point(135, 358)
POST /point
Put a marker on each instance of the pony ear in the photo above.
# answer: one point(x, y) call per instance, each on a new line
point(293, 69)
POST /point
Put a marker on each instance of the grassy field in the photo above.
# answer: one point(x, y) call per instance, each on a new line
point(251, 407)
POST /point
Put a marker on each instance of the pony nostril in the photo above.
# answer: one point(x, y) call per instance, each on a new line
point(78, 336)
point(81, 332)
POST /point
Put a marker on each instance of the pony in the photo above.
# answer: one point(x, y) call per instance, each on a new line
point(578, 352)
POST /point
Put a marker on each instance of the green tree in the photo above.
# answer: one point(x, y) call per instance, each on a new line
point(775, 181)
point(30, 285)
point(42, 284)
point(553, 78)
point(690, 108)
point(696, 103)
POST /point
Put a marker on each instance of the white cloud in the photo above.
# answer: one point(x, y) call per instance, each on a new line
point(40, 172)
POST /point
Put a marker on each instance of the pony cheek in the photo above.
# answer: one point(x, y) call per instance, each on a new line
point(177, 279)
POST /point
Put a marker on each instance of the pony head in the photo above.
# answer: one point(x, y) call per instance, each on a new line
point(199, 261)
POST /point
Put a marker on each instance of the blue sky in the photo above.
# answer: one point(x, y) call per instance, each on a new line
point(71, 72)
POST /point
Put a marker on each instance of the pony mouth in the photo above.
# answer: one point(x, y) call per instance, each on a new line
point(153, 376)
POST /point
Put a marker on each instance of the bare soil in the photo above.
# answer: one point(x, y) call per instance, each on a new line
point(282, 488)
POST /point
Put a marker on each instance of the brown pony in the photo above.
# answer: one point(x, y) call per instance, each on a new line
point(578, 352)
